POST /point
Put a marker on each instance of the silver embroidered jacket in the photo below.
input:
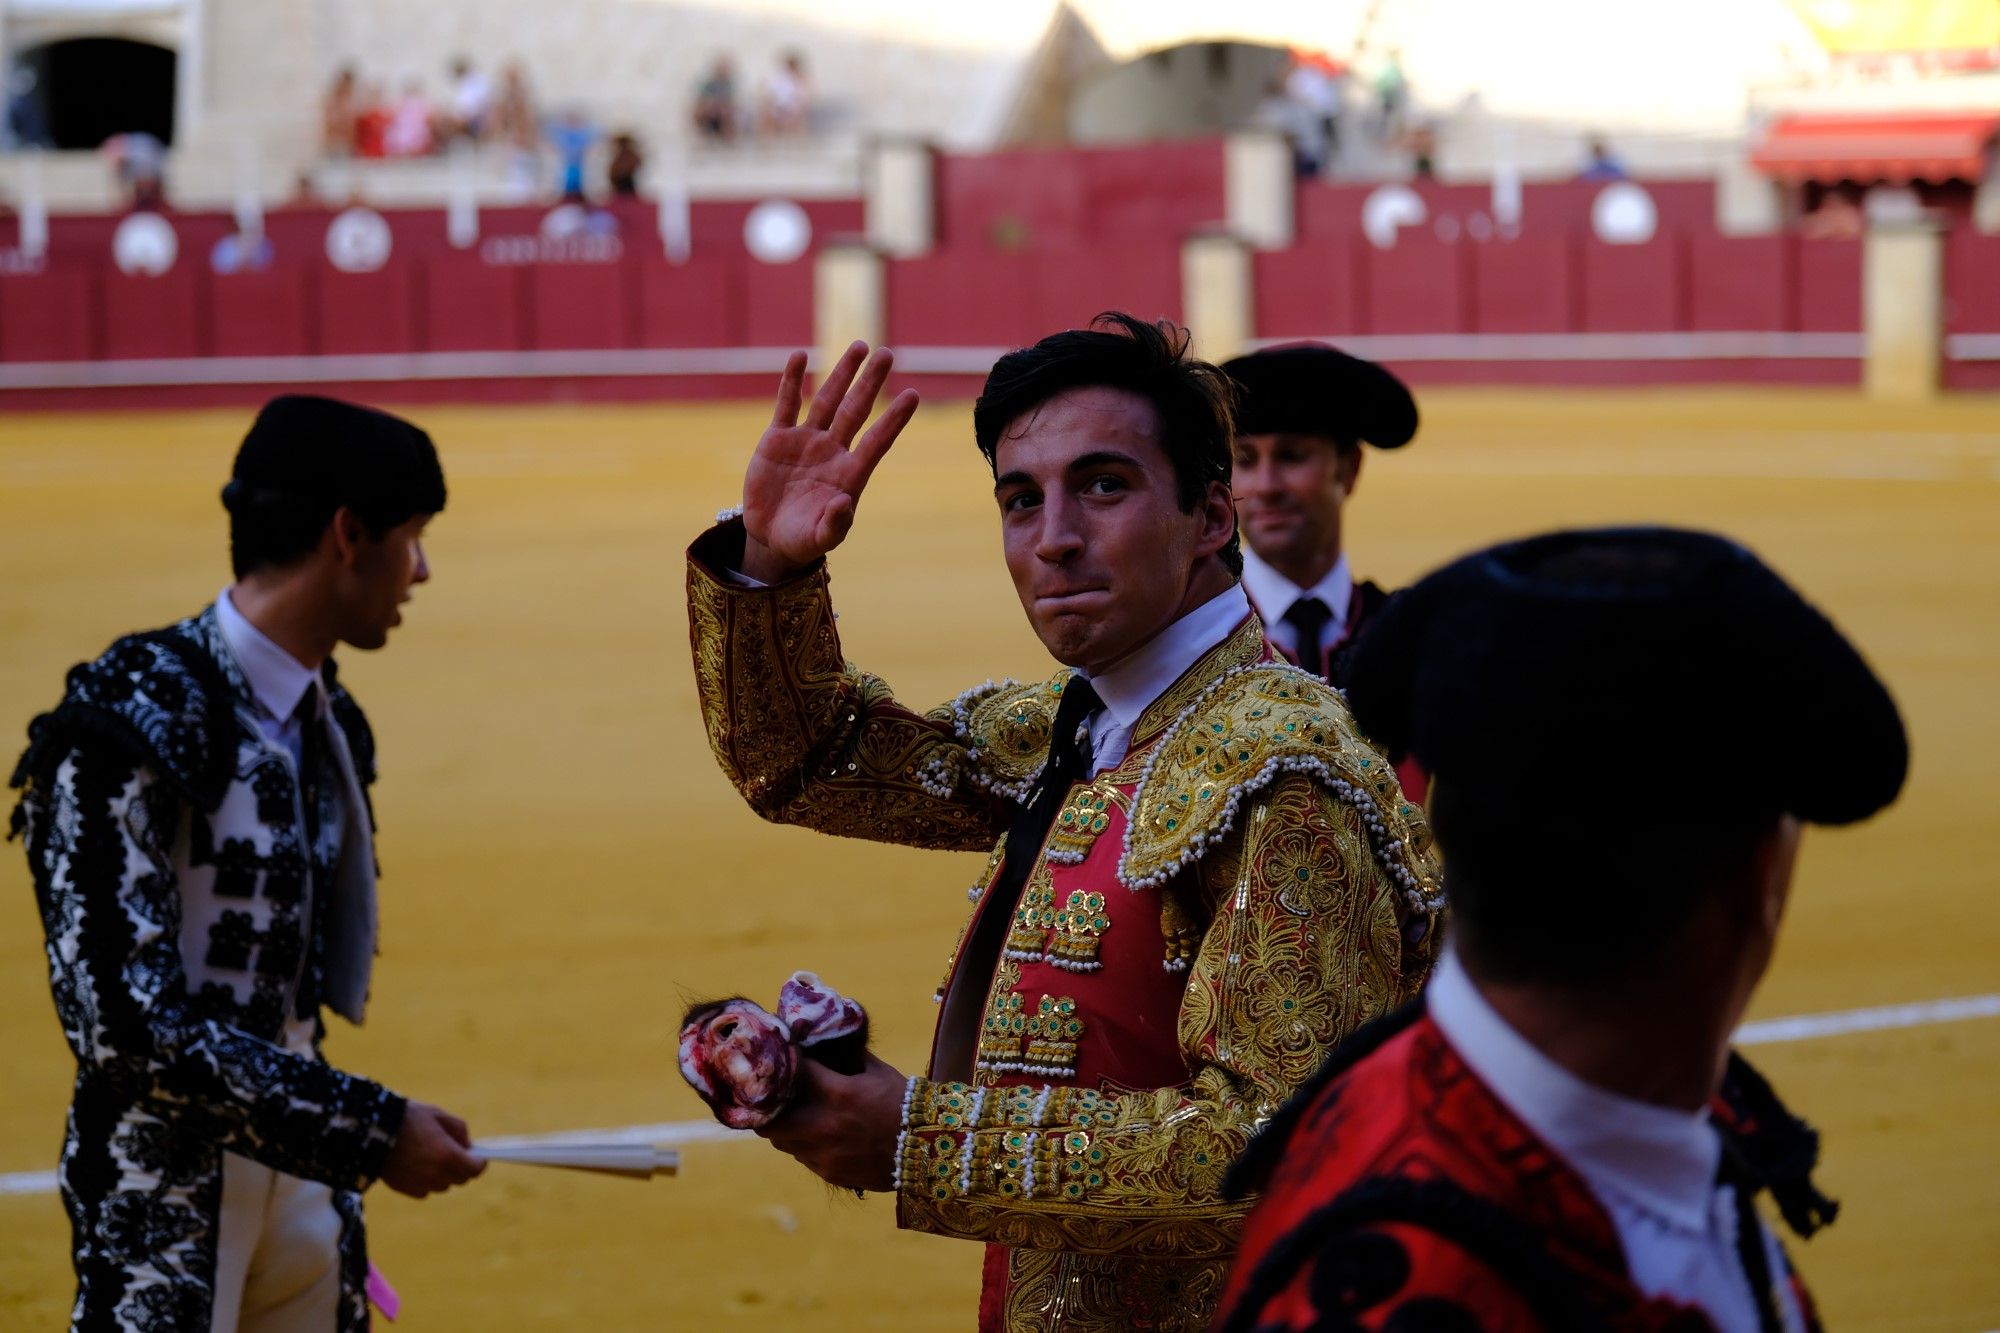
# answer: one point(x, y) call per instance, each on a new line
point(188, 908)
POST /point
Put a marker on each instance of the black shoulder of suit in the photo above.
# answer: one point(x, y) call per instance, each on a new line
point(1370, 599)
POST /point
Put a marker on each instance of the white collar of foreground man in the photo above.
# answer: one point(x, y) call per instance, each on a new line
point(1145, 675)
point(1657, 1159)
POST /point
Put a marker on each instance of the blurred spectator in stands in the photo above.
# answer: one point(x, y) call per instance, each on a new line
point(140, 162)
point(412, 121)
point(1420, 141)
point(787, 105)
point(471, 110)
point(371, 121)
point(1301, 125)
point(340, 114)
point(514, 119)
point(627, 161)
point(27, 125)
point(1838, 217)
point(1318, 83)
point(571, 134)
point(715, 102)
point(305, 193)
point(245, 250)
point(1600, 164)
point(1392, 95)
point(517, 126)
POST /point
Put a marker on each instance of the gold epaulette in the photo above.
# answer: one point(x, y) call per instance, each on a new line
point(1005, 726)
point(1245, 730)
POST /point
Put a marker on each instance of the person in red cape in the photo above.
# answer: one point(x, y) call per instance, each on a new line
point(1303, 413)
point(1556, 1134)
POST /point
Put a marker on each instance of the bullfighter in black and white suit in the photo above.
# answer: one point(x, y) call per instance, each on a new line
point(199, 830)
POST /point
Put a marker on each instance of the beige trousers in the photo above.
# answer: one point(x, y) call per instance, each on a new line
point(277, 1247)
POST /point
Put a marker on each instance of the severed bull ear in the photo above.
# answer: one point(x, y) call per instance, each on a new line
point(742, 1060)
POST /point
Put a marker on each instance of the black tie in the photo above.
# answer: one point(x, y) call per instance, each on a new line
point(1308, 618)
point(1069, 759)
point(312, 777)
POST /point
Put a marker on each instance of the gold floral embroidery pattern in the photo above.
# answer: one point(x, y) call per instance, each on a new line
point(1085, 815)
point(1007, 730)
point(1088, 1293)
point(1241, 649)
point(1015, 1040)
point(1252, 726)
point(1005, 1026)
point(1079, 926)
point(1285, 969)
point(1034, 918)
point(1052, 1037)
point(809, 740)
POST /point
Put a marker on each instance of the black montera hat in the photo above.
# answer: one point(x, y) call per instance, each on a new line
point(322, 453)
point(1312, 389)
point(1662, 670)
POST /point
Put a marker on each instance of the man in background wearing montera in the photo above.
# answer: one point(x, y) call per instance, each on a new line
point(1557, 1136)
point(1302, 415)
point(1200, 876)
point(201, 840)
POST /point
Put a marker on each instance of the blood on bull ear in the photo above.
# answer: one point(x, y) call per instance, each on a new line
point(742, 1060)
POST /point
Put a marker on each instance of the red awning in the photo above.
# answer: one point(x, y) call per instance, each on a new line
point(1897, 148)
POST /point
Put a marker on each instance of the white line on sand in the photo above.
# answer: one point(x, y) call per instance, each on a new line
point(1868, 1020)
point(1801, 1028)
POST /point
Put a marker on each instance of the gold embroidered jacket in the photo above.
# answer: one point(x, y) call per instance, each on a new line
point(1204, 922)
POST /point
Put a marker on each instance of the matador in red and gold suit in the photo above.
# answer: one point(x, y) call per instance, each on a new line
point(1232, 885)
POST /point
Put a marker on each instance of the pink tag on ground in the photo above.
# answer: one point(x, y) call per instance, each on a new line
point(383, 1295)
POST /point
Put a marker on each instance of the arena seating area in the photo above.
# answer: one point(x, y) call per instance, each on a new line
point(1027, 240)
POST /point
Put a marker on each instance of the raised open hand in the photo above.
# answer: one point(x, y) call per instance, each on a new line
point(807, 476)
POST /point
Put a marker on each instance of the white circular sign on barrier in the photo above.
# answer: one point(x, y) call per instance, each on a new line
point(358, 241)
point(1624, 214)
point(145, 243)
point(777, 231)
point(564, 221)
point(1388, 210)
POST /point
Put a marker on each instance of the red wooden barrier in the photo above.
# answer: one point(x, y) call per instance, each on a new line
point(1972, 282)
point(1313, 290)
point(583, 305)
point(366, 312)
point(1419, 285)
point(1634, 288)
point(1829, 286)
point(1742, 282)
point(1074, 286)
point(1059, 196)
point(154, 316)
point(962, 297)
point(50, 316)
point(470, 306)
point(262, 314)
point(690, 305)
point(1326, 209)
point(1525, 286)
point(777, 303)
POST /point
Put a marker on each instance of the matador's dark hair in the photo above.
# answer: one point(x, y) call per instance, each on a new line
point(304, 458)
point(1193, 400)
